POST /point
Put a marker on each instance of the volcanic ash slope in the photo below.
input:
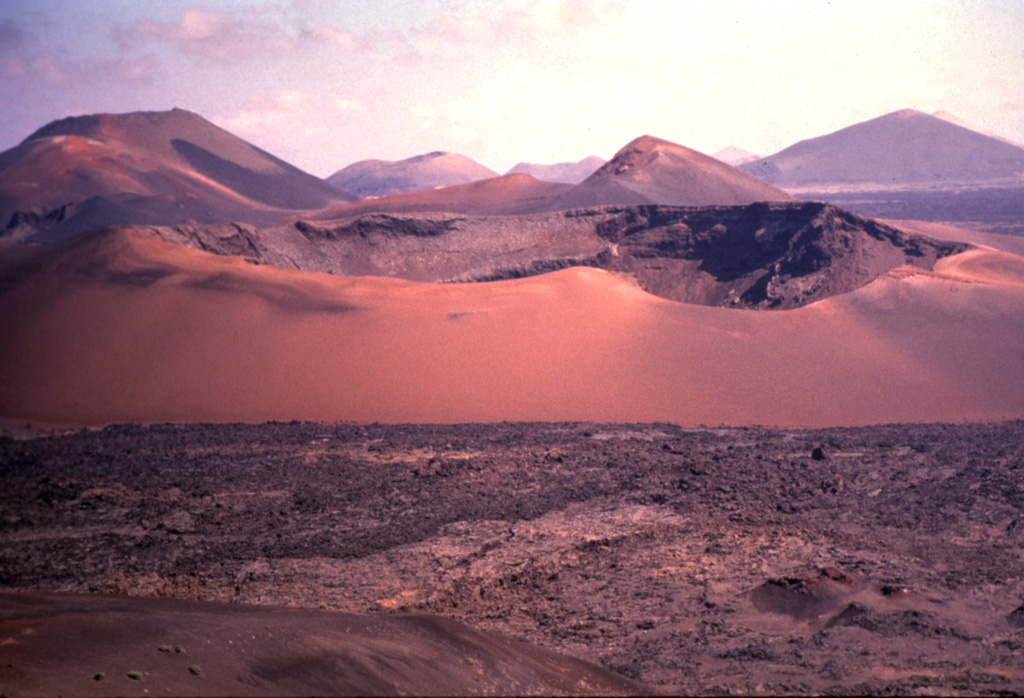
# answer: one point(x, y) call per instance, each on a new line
point(122, 326)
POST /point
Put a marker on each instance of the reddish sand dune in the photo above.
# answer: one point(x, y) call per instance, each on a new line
point(108, 646)
point(122, 326)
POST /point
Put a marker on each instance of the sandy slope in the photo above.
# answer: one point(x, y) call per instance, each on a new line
point(125, 327)
point(89, 645)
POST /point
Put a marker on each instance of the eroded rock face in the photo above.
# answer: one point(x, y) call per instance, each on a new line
point(764, 255)
point(759, 256)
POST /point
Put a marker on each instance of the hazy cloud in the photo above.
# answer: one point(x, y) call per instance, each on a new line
point(539, 20)
point(292, 109)
point(207, 34)
point(287, 122)
point(21, 63)
point(346, 41)
point(11, 36)
point(210, 35)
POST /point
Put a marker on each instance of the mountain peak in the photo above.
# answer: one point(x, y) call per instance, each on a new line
point(157, 168)
point(426, 171)
point(653, 170)
point(566, 172)
point(903, 147)
point(636, 154)
point(906, 114)
point(106, 124)
point(428, 156)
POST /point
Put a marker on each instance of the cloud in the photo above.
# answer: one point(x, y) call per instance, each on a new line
point(296, 125)
point(219, 37)
point(289, 110)
point(346, 41)
point(210, 35)
point(537, 21)
point(21, 63)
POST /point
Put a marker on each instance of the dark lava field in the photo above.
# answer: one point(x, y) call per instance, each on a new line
point(875, 560)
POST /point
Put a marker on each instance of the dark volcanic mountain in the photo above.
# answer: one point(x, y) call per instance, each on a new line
point(905, 147)
point(161, 168)
point(566, 172)
point(381, 177)
point(765, 255)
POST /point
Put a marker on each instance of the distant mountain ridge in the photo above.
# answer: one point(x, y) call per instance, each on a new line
point(84, 172)
point(735, 156)
point(904, 147)
point(647, 170)
point(564, 172)
point(166, 168)
point(383, 177)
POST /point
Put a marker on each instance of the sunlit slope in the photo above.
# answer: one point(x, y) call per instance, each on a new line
point(86, 172)
point(122, 326)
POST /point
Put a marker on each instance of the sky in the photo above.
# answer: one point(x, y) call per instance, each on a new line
point(324, 83)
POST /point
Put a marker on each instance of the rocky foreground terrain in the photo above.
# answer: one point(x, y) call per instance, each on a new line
point(878, 560)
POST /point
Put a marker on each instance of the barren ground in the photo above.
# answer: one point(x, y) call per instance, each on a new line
point(704, 561)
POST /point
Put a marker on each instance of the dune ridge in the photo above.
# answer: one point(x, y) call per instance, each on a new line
point(122, 326)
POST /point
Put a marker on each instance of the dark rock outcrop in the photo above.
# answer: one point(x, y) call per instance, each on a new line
point(762, 255)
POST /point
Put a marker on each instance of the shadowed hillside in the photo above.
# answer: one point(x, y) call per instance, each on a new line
point(87, 172)
point(905, 147)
